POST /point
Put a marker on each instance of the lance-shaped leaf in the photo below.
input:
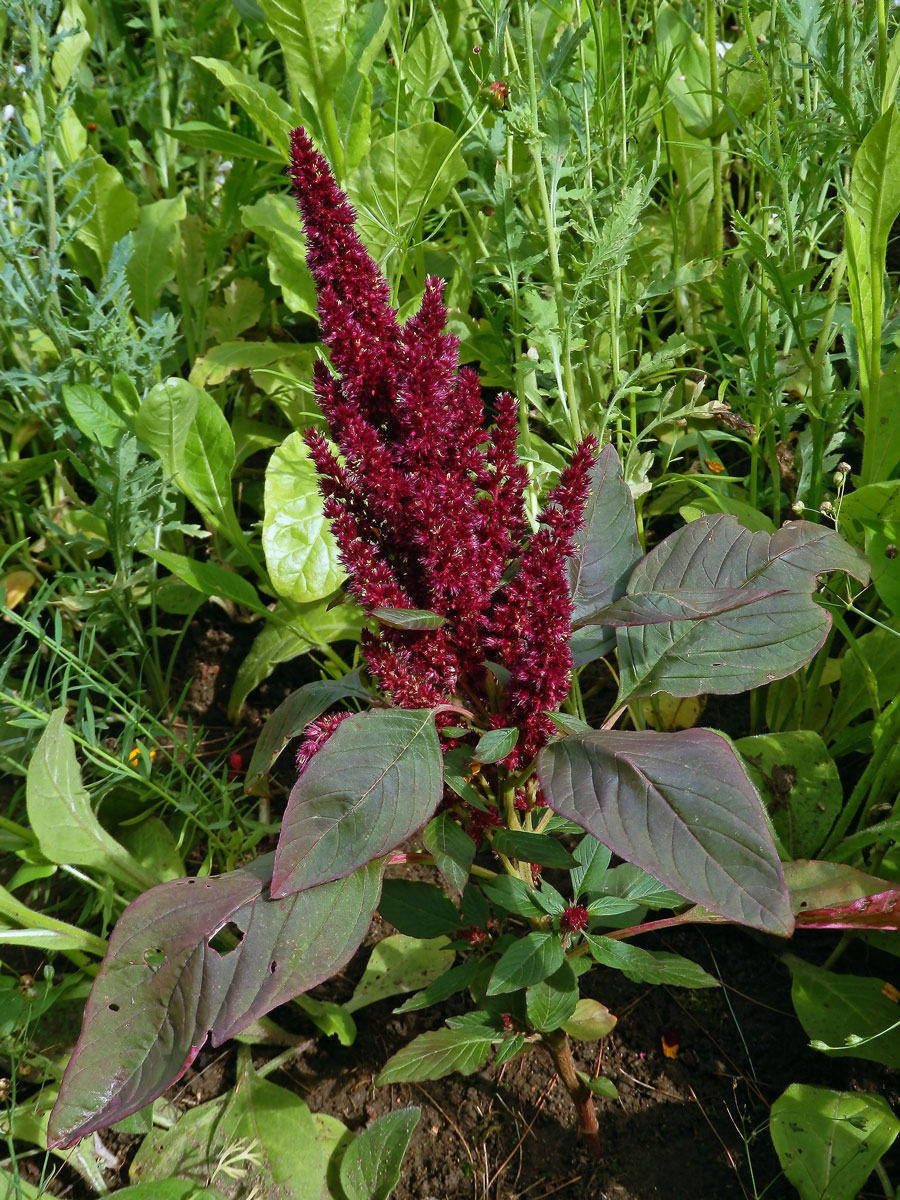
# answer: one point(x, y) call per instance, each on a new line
point(606, 546)
point(735, 647)
point(376, 780)
point(163, 989)
point(680, 806)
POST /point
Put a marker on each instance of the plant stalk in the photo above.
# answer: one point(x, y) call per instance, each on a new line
point(560, 1050)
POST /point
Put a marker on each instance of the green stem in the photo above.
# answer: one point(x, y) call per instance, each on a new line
point(163, 140)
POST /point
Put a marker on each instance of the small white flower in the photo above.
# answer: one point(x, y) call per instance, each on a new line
point(19, 69)
point(722, 48)
point(9, 111)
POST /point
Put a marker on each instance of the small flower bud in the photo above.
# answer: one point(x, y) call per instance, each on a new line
point(574, 917)
point(844, 468)
point(476, 49)
point(797, 508)
point(890, 550)
point(838, 479)
point(498, 93)
point(826, 508)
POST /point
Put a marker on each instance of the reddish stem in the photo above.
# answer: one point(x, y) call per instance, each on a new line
point(560, 1050)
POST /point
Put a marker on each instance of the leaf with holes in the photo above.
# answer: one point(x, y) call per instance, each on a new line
point(606, 546)
point(680, 806)
point(163, 989)
point(743, 645)
point(376, 780)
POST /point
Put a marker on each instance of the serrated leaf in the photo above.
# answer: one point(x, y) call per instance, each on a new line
point(301, 553)
point(649, 966)
point(526, 961)
point(495, 745)
point(377, 779)
point(679, 806)
point(418, 909)
point(370, 1168)
point(309, 33)
point(607, 548)
point(532, 848)
point(150, 1016)
point(829, 1142)
point(745, 647)
point(400, 964)
point(434, 1055)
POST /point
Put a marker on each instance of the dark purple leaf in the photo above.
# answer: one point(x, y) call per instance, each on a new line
point(679, 604)
point(679, 806)
point(376, 780)
point(733, 649)
point(607, 546)
point(162, 989)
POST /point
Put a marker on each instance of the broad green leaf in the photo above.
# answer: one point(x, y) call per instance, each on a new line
point(370, 1168)
point(310, 35)
point(94, 415)
point(426, 62)
point(550, 1002)
point(799, 783)
point(290, 632)
point(286, 1157)
point(211, 579)
point(152, 262)
point(875, 180)
point(101, 205)
point(495, 745)
point(590, 1021)
point(456, 980)
point(418, 909)
point(400, 964)
point(845, 1015)
point(78, 22)
point(745, 647)
point(829, 1142)
point(649, 966)
point(405, 175)
point(452, 848)
point(301, 553)
point(185, 427)
point(241, 308)
point(532, 848)
point(409, 618)
point(680, 806)
point(60, 813)
point(162, 989)
point(152, 844)
point(377, 779)
point(332, 1019)
point(434, 1055)
point(513, 894)
point(526, 961)
point(291, 717)
point(41, 924)
point(274, 218)
point(593, 859)
point(226, 142)
point(164, 1189)
point(259, 100)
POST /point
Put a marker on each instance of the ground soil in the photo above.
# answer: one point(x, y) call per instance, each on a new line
point(689, 1127)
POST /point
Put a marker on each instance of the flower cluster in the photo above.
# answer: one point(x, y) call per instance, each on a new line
point(425, 497)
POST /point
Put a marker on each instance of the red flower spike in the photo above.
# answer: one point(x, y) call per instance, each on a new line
point(426, 498)
point(574, 917)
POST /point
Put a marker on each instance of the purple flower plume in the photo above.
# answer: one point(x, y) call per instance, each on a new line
point(426, 499)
